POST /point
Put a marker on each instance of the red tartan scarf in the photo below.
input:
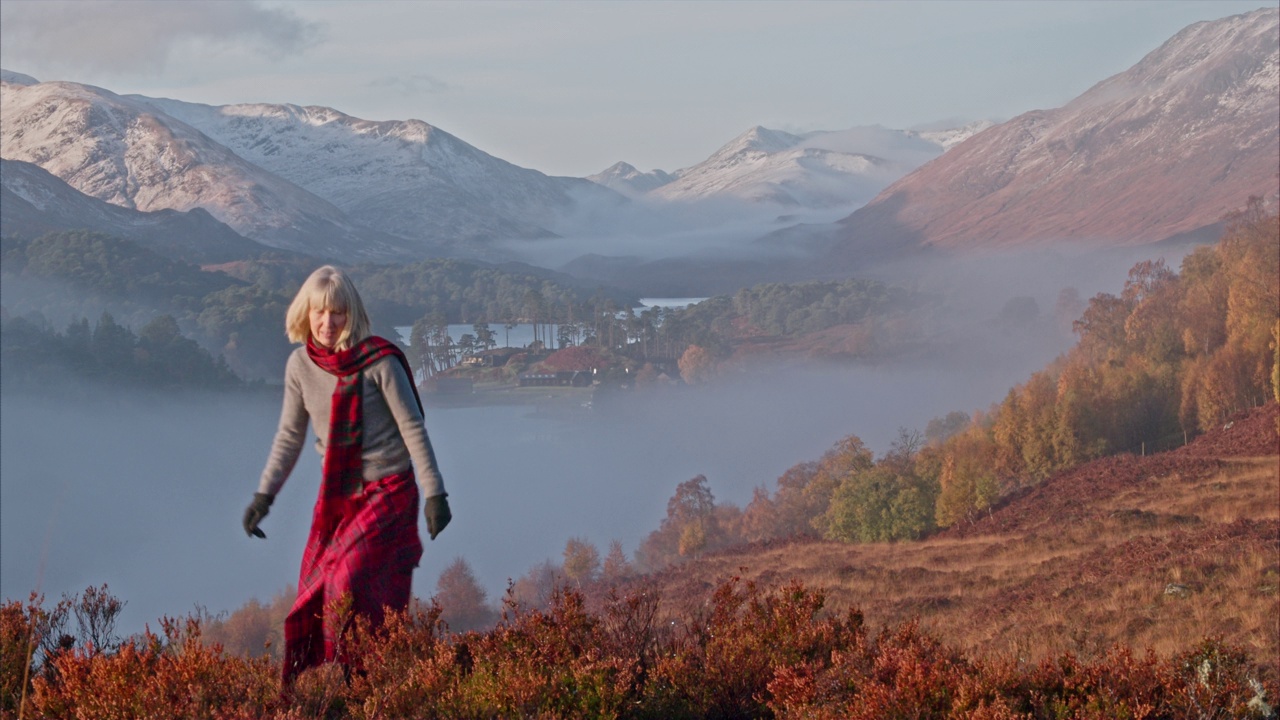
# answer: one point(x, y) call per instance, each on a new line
point(343, 471)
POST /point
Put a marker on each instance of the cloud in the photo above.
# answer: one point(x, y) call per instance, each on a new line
point(411, 85)
point(137, 36)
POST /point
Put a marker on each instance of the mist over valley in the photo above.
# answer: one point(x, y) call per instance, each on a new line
point(885, 360)
point(522, 478)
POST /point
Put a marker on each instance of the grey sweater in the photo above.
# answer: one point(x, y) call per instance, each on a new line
point(394, 431)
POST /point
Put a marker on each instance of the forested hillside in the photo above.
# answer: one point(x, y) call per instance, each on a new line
point(236, 310)
point(1174, 354)
point(36, 357)
point(788, 310)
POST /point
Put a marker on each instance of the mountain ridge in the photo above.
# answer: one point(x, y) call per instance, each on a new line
point(1166, 147)
point(36, 202)
point(123, 152)
point(404, 177)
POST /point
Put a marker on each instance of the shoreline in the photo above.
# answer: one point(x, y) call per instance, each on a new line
point(508, 394)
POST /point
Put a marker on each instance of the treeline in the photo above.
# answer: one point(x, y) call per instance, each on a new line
point(466, 292)
point(779, 309)
point(110, 268)
point(237, 310)
point(1172, 355)
point(460, 293)
point(34, 355)
point(787, 310)
point(77, 274)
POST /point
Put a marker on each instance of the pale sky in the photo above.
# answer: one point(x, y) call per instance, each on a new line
point(569, 88)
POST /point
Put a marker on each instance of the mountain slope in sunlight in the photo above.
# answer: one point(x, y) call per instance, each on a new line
point(406, 177)
point(1155, 551)
point(129, 154)
point(1165, 148)
point(35, 202)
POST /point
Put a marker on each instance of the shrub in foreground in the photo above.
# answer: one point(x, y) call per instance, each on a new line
point(747, 652)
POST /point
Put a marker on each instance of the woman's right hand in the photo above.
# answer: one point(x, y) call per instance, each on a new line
point(438, 514)
point(256, 511)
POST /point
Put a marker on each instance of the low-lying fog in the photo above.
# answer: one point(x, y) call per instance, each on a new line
point(146, 493)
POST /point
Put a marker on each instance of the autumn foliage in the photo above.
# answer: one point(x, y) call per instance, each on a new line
point(744, 653)
point(1173, 355)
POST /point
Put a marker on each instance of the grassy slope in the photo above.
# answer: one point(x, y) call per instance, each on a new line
point(1154, 552)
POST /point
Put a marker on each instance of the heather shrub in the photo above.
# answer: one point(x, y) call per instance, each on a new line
point(172, 675)
point(1214, 680)
point(547, 663)
point(319, 693)
point(746, 652)
point(1117, 685)
point(31, 638)
point(28, 633)
point(722, 663)
point(902, 673)
point(408, 668)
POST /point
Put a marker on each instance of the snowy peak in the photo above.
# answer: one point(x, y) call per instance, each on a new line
point(626, 179)
point(1219, 70)
point(817, 170)
point(757, 140)
point(1167, 147)
point(132, 155)
point(1206, 56)
point(949, 137)
point(403, 177)
point(271, 124)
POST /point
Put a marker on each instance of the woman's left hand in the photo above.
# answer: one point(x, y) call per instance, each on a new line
point(254, 514)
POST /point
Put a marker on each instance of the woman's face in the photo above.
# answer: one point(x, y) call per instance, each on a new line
point(327, 325)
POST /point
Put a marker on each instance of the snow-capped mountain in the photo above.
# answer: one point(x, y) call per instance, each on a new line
point(36, 202)
point(948, 135)
point(626, 179)
point(814, 170)
point(406, 177)
point(129, 154)
point(1167, 147)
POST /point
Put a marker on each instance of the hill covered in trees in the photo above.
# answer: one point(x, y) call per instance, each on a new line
point(1175, 354)
point(37, 358)
point(236, 310)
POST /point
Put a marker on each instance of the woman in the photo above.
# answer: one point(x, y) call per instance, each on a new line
point(358, 393)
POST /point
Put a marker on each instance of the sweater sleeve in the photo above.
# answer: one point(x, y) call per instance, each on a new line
point(290, 435)
point(394, 383)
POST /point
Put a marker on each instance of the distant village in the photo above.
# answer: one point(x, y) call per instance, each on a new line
point(508, 368)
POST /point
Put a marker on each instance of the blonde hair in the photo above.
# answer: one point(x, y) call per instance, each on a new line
point(328, 287)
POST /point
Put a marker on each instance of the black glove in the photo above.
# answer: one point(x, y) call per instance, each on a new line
point(438, 515)
point(257, 510)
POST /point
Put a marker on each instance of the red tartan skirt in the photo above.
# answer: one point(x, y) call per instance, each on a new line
point(364, 546)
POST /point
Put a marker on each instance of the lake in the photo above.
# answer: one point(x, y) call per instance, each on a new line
point(146, 493)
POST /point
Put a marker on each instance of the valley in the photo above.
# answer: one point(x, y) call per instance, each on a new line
point(974, 418)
